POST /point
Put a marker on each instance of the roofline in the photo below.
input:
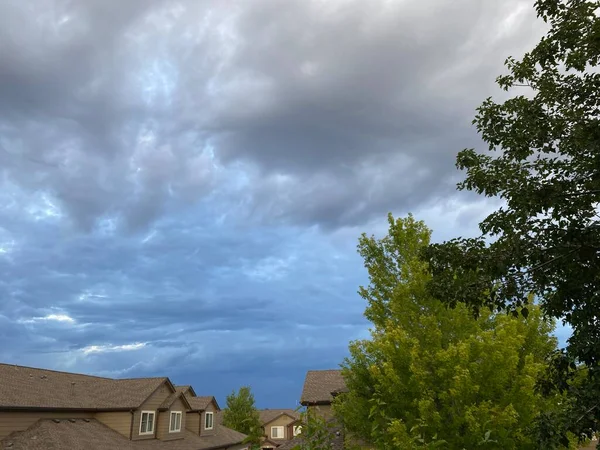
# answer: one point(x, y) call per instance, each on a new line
point(227, 444)
point(55, 409)
point(165, 379)
point(193, 391)
point(59, 371)
point(317, 403)
point(277, 417)
point(181, 395)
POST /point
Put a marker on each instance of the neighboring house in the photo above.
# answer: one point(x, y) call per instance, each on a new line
point(46, 409)
point(320, 386)
point(279, 425)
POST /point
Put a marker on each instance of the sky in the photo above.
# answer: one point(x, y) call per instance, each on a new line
point(183, 183)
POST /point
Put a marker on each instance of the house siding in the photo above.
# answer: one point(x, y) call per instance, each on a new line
point(282, 421)
point(192, 422)
point(118, 421)
point(20, 421)
point(164, 420)
point(151, 404)
point(210, 408)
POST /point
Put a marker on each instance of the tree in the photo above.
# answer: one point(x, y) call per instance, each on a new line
point(241, 415)
point(544, 163)
point(434, 377)
point(317, 432)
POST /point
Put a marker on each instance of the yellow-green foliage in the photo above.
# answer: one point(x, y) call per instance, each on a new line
point(433, 377)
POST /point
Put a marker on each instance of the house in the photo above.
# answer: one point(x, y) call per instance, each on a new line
point(46, 409)
point(320, 387)
point(279, 425)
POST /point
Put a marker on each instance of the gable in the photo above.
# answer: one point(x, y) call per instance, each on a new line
point(267, 415)
point(283, 419)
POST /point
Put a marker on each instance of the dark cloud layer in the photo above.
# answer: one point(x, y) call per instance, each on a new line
point(118, 107)
point(182, 183)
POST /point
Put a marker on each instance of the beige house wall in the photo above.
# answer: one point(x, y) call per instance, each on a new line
point(164, 422)
point(20, 421)
point(282, 421)
point(151, 404)
point(118, 421)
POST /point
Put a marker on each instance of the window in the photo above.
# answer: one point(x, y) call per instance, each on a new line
point(297, 430)
point(277, 432)
point(208, 421)
point(147, 422)
point(175, 424)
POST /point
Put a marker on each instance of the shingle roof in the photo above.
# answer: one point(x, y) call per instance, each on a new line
point(27, 387)
point(222, 436)
point(89, 434)
point(185, 388)
point(267, 415)
point(319, 384)
point(166, 404)
point(200, 403)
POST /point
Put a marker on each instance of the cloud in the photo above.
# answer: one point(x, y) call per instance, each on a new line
point(113, 348)
point(51, 317)
point(182, 183)
point(326, 113)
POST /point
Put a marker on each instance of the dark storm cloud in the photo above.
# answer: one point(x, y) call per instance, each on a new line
point(335, 111)
point(219, 161)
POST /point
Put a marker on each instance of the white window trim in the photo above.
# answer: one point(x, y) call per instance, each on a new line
point(171, 414)
point(278, 428)
point(147, 433)
point(297, 429)
point(212, 420)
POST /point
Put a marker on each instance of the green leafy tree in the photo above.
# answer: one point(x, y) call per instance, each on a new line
point(434, 377)
point(544, 163)
point(241, 415)
point(317, 432)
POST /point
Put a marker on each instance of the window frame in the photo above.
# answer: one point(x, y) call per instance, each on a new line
point(278, 427)
point(296, 430)
point(176, 414)
point(151, 432)
point(212, 420)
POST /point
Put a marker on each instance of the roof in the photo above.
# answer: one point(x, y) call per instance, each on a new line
point(268, 415)
point(29, 388)
point(268, 441)
point(222, 436)
point(185, 388)
point(166, 404)
point(319, 386)
point(201, 403)
point(89, 434)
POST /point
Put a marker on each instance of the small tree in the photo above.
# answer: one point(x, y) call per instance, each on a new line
point(241, 415)
point(433, 377)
